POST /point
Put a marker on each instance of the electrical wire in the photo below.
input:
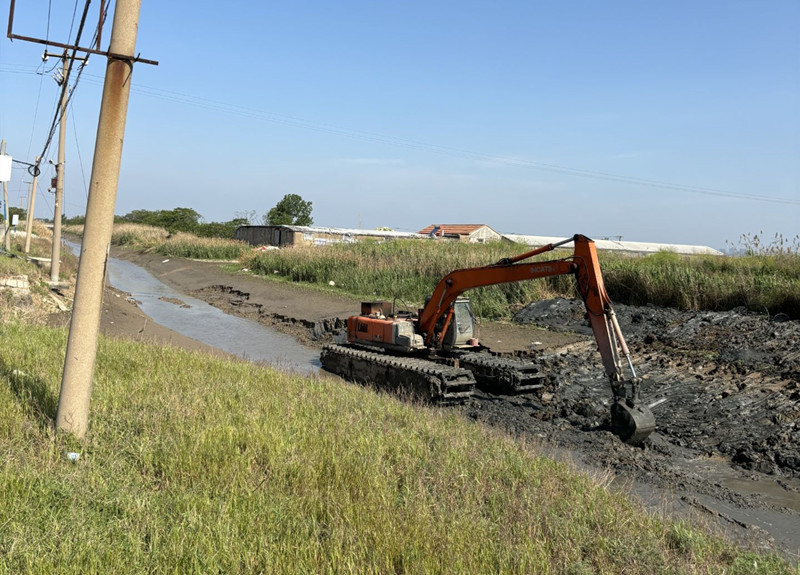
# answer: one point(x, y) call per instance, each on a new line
point(292, 121)
point(64, 88)
point(99, 24)
point(49, 6)
point(78, 148)
point(72, 23)
point(35, 115)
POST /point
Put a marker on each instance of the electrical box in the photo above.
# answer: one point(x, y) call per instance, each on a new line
point(5, 168)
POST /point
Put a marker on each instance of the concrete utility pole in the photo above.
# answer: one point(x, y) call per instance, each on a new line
point(76, 382)
point(6, 222)
point(55, 254)
point(31, 206)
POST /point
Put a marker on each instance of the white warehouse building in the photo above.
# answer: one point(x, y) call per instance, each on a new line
point(615, 245)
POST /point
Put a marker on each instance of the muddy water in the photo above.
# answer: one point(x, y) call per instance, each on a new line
point(196, 319)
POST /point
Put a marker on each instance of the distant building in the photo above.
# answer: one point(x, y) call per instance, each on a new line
point(289, 236)
point(472, 233)
point(614, 245)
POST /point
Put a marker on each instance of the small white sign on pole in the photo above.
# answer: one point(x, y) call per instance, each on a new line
point(5, 168)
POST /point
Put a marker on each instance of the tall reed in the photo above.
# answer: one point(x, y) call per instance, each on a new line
point(141, 236)
point(191, 246)
point(409, 270)
point(406, 270)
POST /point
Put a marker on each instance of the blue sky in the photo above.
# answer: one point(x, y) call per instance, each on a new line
point(655, 121)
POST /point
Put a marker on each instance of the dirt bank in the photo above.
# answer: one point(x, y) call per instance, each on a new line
point(724, 388)
point(122, 318)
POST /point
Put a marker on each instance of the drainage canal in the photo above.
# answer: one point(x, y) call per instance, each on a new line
point(196, 319)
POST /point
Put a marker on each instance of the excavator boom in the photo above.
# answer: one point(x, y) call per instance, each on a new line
point(631, 419)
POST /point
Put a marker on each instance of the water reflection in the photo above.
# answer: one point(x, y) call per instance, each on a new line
point(197, 319)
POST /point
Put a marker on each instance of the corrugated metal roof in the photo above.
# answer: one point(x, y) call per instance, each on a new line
point(349, 232)
point(454, 229)
point(639, 247)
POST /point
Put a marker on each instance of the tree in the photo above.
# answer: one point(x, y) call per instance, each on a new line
point(250, 216)
point(219, 229)
point(15, 210)
point(177, 220)
point(291, 210)
point(180, 220)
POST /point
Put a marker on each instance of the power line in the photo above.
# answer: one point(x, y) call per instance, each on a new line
point(72, 22)
point(65, 83)
point(49, 6)
point(414, 144)
point(297, 122)
point(78, 148)
point(35, 115)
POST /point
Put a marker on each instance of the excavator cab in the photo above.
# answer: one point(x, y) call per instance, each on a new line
point(461, 331)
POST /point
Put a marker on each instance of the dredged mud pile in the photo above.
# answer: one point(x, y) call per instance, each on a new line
point(718, 382)
point(725, 391)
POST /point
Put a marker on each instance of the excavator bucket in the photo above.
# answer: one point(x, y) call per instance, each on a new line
point(631, 422)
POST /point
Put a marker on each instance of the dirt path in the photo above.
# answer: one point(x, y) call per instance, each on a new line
point(724, 389)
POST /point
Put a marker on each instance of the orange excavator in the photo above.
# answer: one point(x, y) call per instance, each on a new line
point(435, 353)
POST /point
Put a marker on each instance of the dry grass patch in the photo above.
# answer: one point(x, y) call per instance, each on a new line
point(190, 246)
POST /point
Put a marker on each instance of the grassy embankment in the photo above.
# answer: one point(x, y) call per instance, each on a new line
point(248, 470)
point(40, 243)
point(767, 280)
point(180, 245)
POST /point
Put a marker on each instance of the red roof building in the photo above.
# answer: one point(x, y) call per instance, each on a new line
point(474, 233)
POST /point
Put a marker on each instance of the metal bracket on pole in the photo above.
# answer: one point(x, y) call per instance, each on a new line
point(13, 36)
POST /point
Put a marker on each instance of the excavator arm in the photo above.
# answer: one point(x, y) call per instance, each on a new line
point(631, 419)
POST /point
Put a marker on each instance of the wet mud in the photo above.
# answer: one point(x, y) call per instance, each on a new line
point(725, 390)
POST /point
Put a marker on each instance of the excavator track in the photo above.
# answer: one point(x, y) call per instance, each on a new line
point(427, 380)
point(502, 375)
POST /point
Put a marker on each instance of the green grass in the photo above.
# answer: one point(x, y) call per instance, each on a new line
point(768, 282)
point(18, 266)
point(199, 465)
point(406, 269)
point(190, 246)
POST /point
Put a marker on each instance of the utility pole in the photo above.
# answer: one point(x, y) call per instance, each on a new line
point(31, 206)
point(55, 254)
point(76, 382)
point(6, 223)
